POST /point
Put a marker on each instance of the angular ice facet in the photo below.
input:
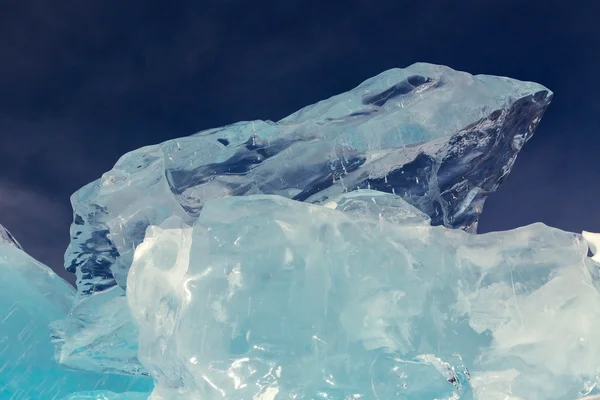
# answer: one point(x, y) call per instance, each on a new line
point(441, 139)
point(31, 297)
point(264, 297)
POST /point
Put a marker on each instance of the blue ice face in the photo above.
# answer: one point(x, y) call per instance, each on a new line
point(31, 297)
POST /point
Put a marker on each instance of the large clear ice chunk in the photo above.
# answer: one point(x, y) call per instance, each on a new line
point(31, 297)
point(441, 139)
point(264, 297)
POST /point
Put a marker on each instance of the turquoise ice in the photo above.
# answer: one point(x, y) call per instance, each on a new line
point(107, 395)
point(31, 297)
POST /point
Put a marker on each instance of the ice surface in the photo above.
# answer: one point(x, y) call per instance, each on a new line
point(7, 237)
point(441, 139)
point(32, 296)
point(107, 395)
point(263, 297)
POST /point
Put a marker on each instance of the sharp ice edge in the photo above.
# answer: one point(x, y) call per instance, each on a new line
point(398, 132)
point(7, 237)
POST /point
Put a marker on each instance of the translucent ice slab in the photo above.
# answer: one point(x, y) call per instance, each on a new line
point(269, 298)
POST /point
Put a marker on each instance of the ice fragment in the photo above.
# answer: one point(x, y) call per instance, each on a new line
point(263, 294)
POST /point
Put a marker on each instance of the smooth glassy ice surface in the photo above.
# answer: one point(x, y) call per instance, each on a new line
point(441, 139)
point(31, 297)
point(264, 297)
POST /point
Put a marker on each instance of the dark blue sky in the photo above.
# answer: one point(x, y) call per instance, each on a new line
point(82, 82)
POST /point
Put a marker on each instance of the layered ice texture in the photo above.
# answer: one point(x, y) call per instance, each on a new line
point(440, 139)
point(31, 297)
point(264, 297)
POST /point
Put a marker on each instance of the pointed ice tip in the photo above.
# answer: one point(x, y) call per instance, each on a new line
point(593, 240)
point(7, 237)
